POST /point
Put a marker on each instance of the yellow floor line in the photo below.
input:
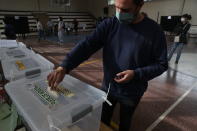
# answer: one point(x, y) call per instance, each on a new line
point(114, 125)
point(53, 58)
point(89, 62)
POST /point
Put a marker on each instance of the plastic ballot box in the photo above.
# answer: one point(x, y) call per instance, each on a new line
point(17, 46)
point(8, 43)
point(75, 105)
point(21, 44)
point(11, 44)
point(29, 66)
point(18, 52)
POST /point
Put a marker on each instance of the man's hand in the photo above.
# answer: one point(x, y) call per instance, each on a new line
point(125, 76)
point(55, 77)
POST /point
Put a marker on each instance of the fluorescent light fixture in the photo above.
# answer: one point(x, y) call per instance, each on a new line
point(112, 2)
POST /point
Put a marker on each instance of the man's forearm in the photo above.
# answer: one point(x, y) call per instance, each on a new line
point(149, 72)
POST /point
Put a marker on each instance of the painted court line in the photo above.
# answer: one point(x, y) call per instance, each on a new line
point(154, 124)
point(89, 62)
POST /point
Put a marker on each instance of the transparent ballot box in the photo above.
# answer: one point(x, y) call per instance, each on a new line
point(8, 43)
point(11, 44)
point(76, 106)
point(13, 53)
point(29, 66)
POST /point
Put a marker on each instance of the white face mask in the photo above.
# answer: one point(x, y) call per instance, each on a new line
point(182, 19)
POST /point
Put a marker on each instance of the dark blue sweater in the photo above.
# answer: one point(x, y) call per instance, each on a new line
point(140, 47)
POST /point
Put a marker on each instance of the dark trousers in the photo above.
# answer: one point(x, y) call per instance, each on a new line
point(127, 108)
point(41, 35)
point(179, 47)
point(76, 30)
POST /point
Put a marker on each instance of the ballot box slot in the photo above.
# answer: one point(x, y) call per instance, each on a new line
point(33, 73)
point(77, 114)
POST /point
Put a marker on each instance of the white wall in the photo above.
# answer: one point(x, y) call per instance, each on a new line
point(95, 7)
point(163, 7)
point(191, 8)
point(18, 5)
point(32, 5)
point(171, 7)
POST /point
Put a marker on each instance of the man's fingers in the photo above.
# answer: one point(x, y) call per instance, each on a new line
point(50, 79)
point(124, 77)
point(49, 76)
point(122, 80)
point(120, 74)
point(119, 80)
point(58, 80)
point(55, 85)
point(53, 80)
point(56, 77)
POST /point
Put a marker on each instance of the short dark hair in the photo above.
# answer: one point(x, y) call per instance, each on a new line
point(189, 17)
point(60, 18)
point(137, 2)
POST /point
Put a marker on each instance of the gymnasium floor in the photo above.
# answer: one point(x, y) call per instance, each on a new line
point(169, 104)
